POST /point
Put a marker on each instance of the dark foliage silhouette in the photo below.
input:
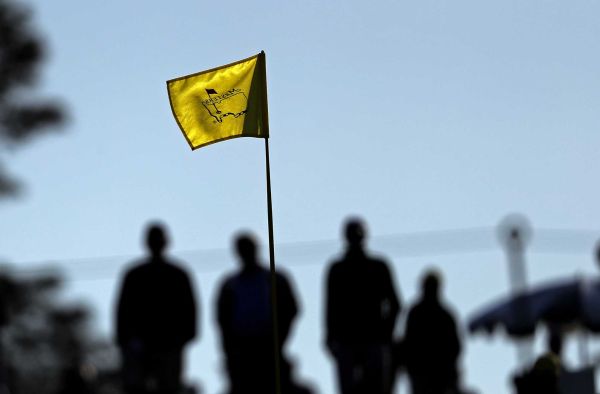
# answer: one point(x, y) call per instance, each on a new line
point(245, 320)
point(361, 311)
point(21, 54)
point(431, 342)
point(46, 344)
point(156, 318)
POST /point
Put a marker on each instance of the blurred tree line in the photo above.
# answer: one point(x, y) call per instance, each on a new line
point(22, 115)
point(47, 346)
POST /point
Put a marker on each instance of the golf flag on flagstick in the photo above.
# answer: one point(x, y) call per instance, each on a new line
point(222, 103)
point(228, 102)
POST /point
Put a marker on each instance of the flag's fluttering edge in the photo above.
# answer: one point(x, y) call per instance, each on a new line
point(222, 103)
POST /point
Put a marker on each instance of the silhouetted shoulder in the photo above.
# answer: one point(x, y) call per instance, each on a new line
point(442, 310)
point(380, 262)
point(178, 267)
point(167, 267)
point(282, 275)
point(228, 281)
point(450, 311)
point(134, 266)
point(336, 265)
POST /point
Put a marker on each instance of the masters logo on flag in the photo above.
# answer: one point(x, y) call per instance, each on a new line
point(234, 101)
point(222, 103)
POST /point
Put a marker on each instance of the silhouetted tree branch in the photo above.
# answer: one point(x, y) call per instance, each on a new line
point(21, 115)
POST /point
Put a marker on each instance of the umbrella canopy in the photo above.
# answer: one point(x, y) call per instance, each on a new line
point(564, 302)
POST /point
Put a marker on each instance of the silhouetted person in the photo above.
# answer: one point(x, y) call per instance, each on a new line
point(361, 311)
point(156, 318)
point(542, 377)
point(431, 342)
point(244, 318)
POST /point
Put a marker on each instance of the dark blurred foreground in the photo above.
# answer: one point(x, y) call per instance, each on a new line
point(48, 346)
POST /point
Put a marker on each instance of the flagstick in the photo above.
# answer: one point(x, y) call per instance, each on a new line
point(273, 277)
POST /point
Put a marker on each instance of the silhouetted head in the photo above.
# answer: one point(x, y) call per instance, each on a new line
point(430, 285)
point(156, 239)
point(355, 232)
point(246, 248)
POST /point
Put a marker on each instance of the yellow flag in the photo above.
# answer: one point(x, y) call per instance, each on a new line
point(222, 103)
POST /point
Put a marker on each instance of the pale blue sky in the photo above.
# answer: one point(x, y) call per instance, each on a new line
point(418, 115)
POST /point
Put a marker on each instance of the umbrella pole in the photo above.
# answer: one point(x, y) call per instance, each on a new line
point(515, 239)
